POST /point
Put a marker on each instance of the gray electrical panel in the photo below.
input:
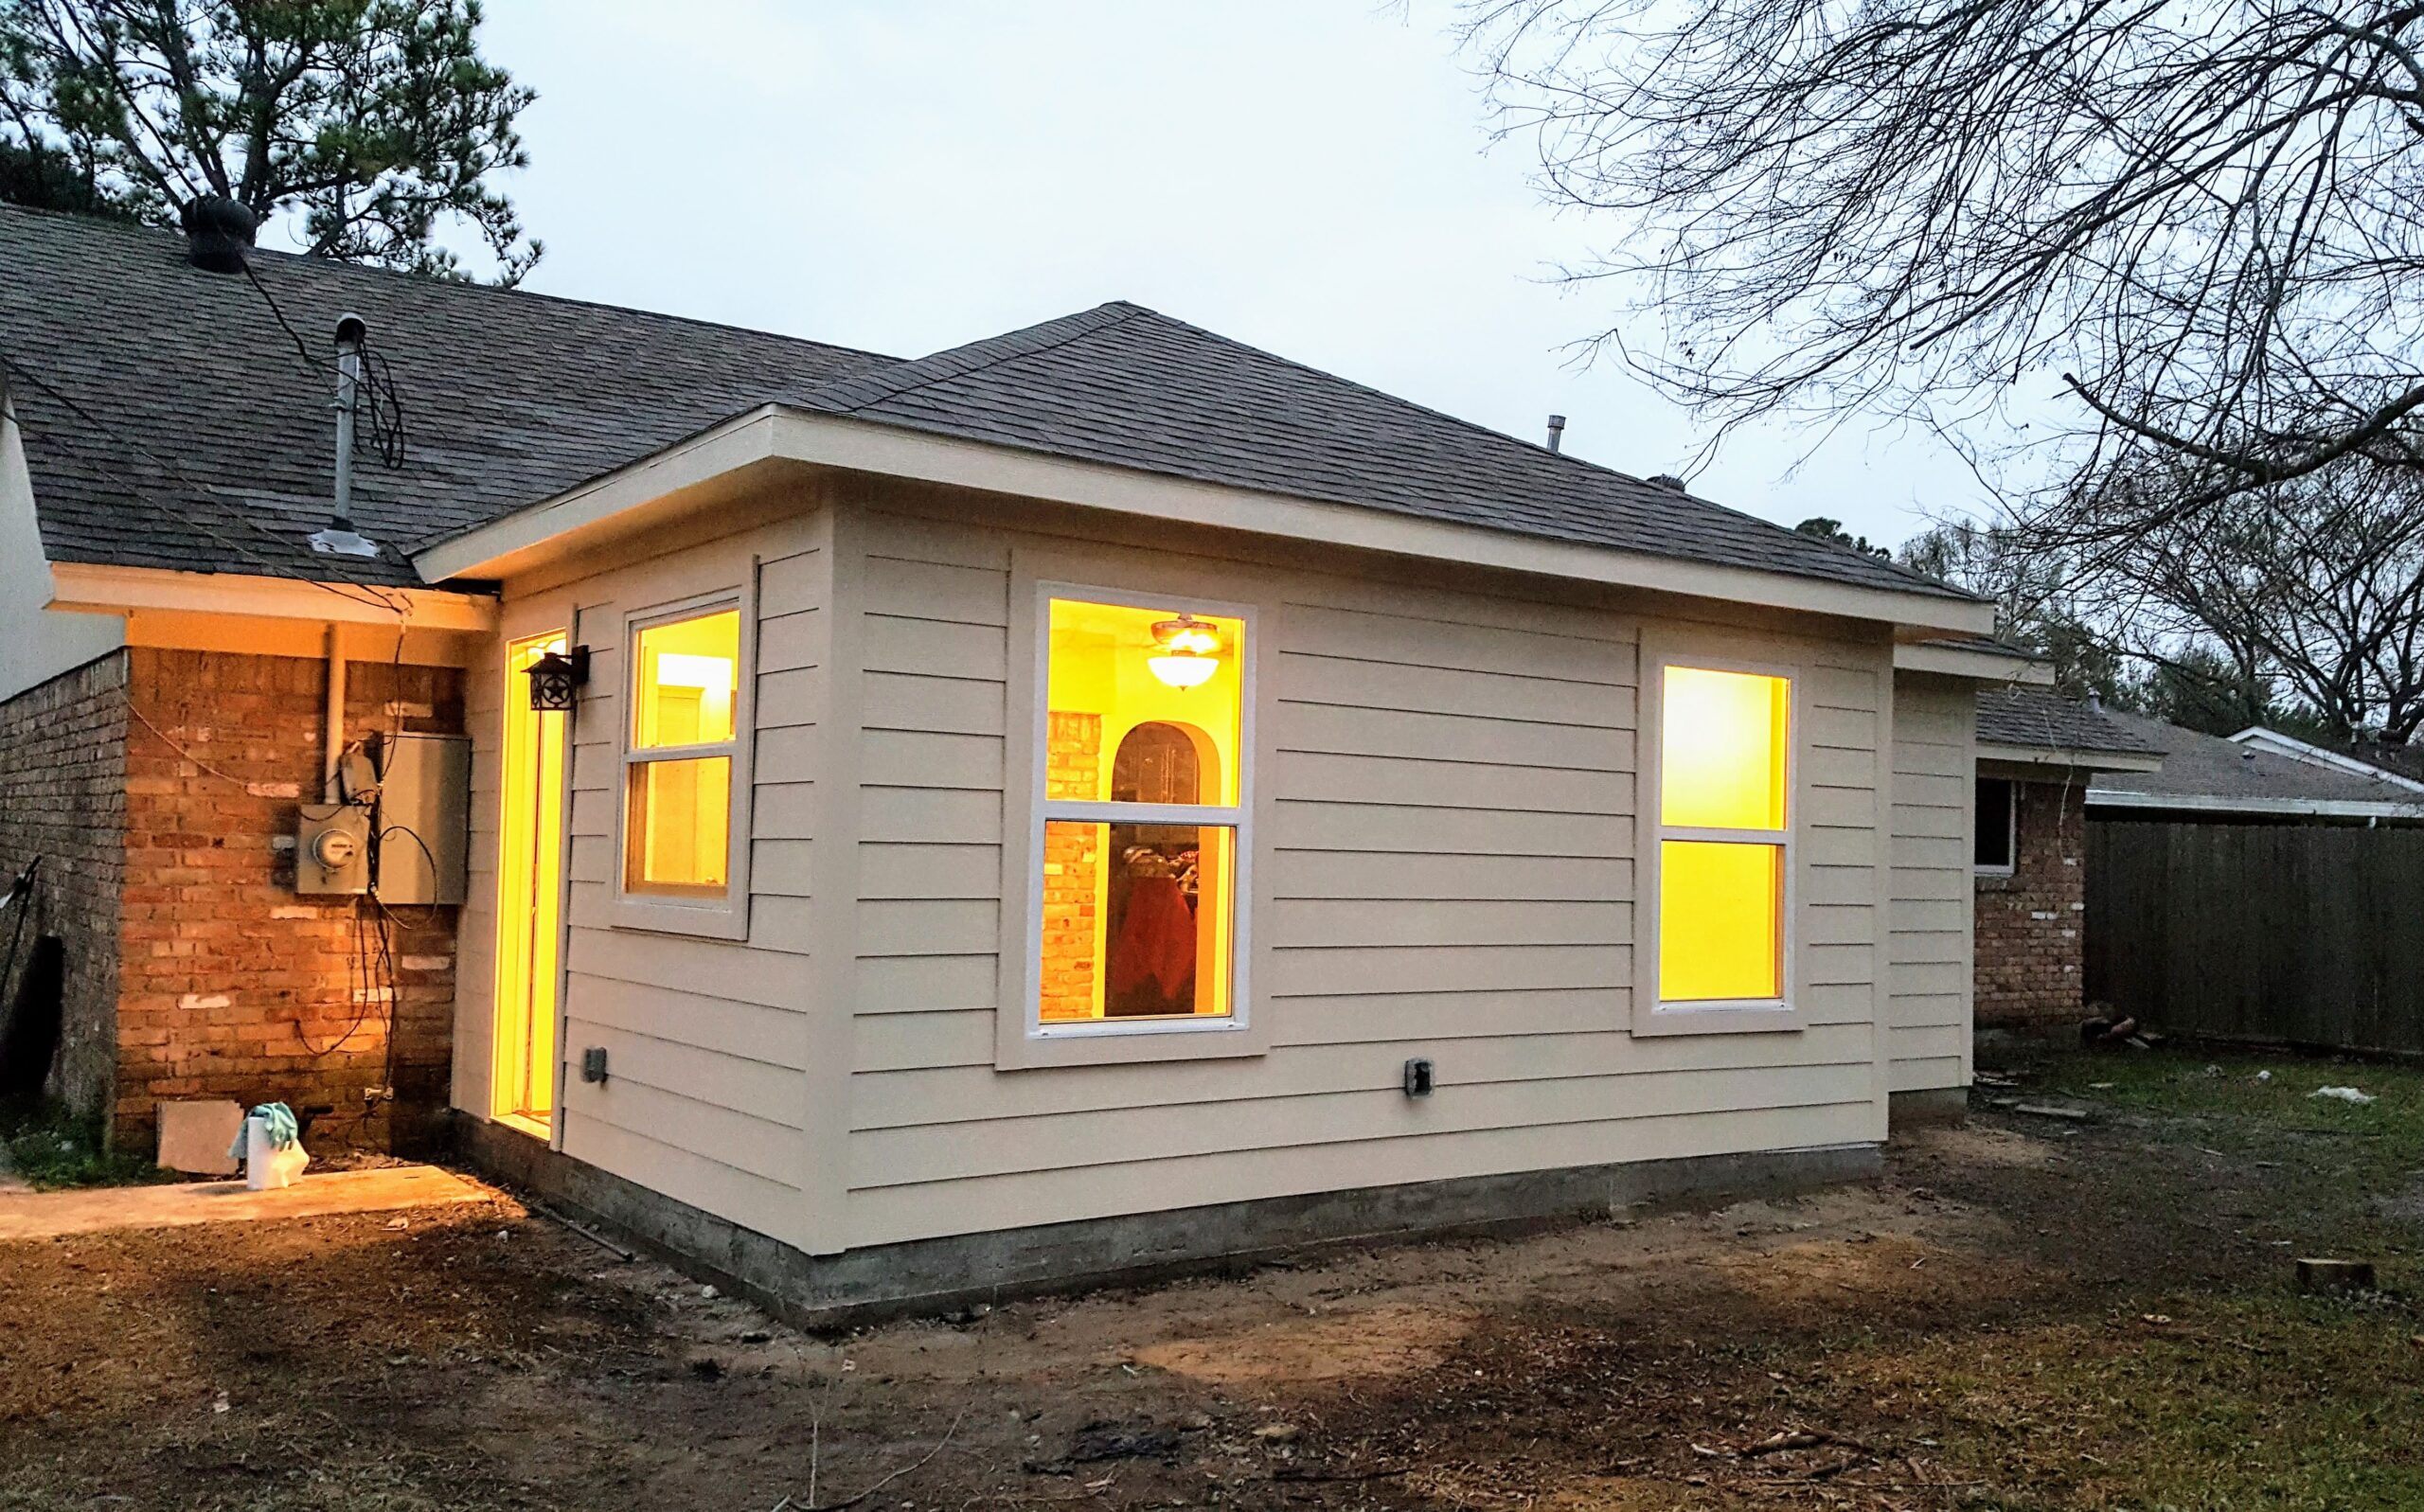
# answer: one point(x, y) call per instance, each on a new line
point(424, 818)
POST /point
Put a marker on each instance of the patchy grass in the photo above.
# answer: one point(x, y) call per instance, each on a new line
point(2262, 1104)
point(52, 1147)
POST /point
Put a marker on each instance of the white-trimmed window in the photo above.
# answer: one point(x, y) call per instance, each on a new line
point(1996, 847)
point(684, 765)
point(1719, 884)
point(1141, 805)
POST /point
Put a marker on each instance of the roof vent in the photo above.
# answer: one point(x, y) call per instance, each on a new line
point(218, 230)
point(1557, 433)
point(1667, 481)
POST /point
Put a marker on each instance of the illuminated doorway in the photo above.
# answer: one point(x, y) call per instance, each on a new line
point(529, 883)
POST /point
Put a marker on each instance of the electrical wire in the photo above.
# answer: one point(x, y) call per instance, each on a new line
point(366, 594)
point(377, 385)
point(183, 753)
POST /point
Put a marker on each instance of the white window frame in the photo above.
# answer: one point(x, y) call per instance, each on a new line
point(1025, 1040)
point(1783, 1012)
point(2011, 828)
point(726, 916)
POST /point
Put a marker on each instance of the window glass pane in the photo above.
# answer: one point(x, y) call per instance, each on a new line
point(1137, 920)
point(1144, 704)
point(1721, 762)
point(677, 836)
point(689, 679)
point(1721, 921)
point(1994, 823)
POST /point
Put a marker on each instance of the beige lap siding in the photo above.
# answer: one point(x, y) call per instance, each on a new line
point(1929, 974)
point(1445, 870)
point(705, 1039)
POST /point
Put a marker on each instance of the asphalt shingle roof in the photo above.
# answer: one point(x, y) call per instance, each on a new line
point(1127, 386)
point(2040, 718)
point(206, 439)
point(169, 420)
point(2207, 766)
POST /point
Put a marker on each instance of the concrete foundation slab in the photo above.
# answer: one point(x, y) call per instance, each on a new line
point(933, 1276)
point(49, 1215)
point(1935, 1105)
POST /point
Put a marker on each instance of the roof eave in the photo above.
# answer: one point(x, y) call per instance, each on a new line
point(1987, 661)
point(652, 490)
point(93, 588)
point(2293, 807)
point(2070, 758)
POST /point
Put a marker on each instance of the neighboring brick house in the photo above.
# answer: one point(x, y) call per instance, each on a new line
point(2038, 752)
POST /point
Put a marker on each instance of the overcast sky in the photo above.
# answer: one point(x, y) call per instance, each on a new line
point(1309, 176)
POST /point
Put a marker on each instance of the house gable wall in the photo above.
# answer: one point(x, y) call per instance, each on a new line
point(35, 645)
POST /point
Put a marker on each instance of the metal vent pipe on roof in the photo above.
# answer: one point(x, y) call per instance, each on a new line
point(340, 538)
point(1557, 433)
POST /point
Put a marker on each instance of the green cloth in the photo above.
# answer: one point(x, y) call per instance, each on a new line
point(283, 1130)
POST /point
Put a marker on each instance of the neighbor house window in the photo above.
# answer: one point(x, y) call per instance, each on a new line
point(678, 763)
point(1142, 813)
point(1998, 841)
point(1724, 836)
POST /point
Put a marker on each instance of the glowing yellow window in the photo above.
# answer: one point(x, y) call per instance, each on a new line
point(1143, 780)
point(1725, 835)
point(685, 684)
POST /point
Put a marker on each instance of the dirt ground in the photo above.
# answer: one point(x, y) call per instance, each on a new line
point(2025, 1313)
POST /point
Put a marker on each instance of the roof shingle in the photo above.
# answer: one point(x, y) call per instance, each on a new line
point(169, 420)
point(2042, 720)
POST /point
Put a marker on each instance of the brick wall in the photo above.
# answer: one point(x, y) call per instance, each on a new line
point(62, 798)
point(2029, 923)
point(1072, 869)
point(231, 985)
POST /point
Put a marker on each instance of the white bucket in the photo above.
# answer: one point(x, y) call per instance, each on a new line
point(266, 1167)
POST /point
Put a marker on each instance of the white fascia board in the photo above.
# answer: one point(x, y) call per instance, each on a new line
point(2030, 756)
point(2209, 803)
point(1984, 662)
point(625, 500)
point(85, 588)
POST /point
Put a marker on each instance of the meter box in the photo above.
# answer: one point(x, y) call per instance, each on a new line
point(332, 850)
point(424, 826)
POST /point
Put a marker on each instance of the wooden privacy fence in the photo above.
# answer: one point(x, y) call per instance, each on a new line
point(2308, 934)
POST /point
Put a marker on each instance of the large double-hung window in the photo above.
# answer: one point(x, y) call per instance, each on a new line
point(1142, 815)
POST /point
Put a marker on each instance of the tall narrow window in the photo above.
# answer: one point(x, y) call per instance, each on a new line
point(1142, 807)
point(1723, 836)
point(1997, 845)
point(677, 824)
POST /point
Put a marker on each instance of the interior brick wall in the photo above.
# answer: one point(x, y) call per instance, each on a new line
point(63, 791)
point(1072, 869)
point(232, 985)
point(2030, 924)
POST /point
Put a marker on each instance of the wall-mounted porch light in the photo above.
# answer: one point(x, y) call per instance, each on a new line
point(1187, 651)
point(556, 680)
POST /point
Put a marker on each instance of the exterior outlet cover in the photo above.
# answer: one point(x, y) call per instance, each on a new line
point(592, 1063)
point(1417, 1078)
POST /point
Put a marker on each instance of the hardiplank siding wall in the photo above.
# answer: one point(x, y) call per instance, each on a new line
point(1928, 975)
point(1447, 871)
point(707, 1038)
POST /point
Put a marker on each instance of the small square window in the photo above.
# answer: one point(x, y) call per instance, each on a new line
point(1998, 834)
point(686, 687)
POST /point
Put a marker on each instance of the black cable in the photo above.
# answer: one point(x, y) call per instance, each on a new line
point(368, 596)
point(382, 405)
